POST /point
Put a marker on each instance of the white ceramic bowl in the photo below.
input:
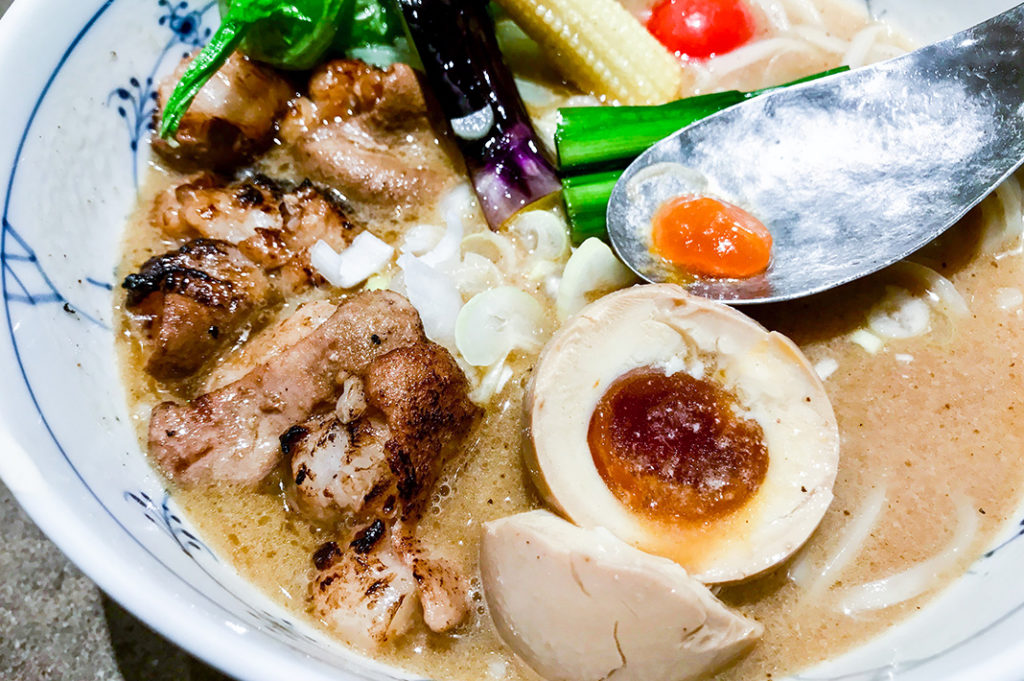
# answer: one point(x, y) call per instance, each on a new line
point(76, 83)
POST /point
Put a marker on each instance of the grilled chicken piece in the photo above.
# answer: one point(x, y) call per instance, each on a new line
point(368, 594)
point(424, 397)
point(191, 302)
point(388, 438)
point(231, 119)
point(206, 205)
point(367, 132)
point(379, 455)
point(232, 434)
point(339, 461)
point(369, 591)
point(275, 229)
point(443, 591)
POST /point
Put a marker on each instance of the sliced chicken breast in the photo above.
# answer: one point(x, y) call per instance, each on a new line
point(371, 591)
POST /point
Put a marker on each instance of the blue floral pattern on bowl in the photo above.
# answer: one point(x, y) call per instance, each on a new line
point(136, 102)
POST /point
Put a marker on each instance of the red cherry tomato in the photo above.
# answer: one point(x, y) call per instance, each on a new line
point(701, 28)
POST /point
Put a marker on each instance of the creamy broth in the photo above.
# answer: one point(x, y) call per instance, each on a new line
point(928, 422)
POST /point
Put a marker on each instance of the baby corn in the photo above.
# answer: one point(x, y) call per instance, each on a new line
point(602, 48)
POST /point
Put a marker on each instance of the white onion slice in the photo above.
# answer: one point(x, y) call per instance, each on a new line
point(496, 322)
point(851, 543)
point(826, 367)
point(366, 255)
point(421, 238)
point(476, 274)
point(434, 296)
point(545, 233)
point(940, 291)
point(887, 592)
point(900, 314)
point(454, 208)
point(544, 270)
point(493, 382)
point(1003, 234)
point(495, 247)
point(867, 340)
point(591, 270)
point(326, 261)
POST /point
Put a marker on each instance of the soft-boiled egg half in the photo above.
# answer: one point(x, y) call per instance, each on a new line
point(582, 605)
point(685, 429)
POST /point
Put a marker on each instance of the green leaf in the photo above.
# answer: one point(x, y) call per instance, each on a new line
point(363, 23)
point(289, 35)
point(202, 68)
point(251, 11)
point(286, 34)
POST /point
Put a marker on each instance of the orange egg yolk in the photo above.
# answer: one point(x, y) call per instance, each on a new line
point(708, 237)
point(673, 447)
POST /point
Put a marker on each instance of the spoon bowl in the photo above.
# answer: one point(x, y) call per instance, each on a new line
point(850, 173)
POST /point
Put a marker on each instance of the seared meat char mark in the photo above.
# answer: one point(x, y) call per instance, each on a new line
point(368, 537)
point(326, 556)
point(232, 434)
point(274, 227)
point(367, 132)
point(369, 592)
point(424, 397)
point(191, 302)
point(231, 119)
point(368, 598)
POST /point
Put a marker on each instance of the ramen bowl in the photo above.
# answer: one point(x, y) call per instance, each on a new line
point(77, 81)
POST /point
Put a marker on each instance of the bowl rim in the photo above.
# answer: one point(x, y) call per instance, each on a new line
point(235, 648)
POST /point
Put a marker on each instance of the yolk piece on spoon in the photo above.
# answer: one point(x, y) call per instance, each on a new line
point(701, 28)
point(708, 237)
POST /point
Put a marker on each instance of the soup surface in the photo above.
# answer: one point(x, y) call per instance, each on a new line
point(918, 361)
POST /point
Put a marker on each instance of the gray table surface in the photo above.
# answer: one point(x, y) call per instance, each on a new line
point(55, 625)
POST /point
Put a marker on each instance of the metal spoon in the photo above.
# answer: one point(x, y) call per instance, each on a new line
point(850, 173)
